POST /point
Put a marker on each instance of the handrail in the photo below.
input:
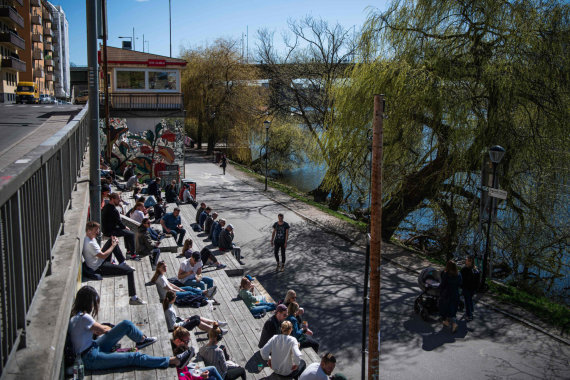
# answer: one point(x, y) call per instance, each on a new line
point(35, 192)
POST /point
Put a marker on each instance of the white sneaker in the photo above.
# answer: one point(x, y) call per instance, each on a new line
point(224, 331)
point(222, 323)
point(124, 265)
point(136, 301)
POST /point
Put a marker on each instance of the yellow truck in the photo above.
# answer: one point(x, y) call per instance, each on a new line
point(27, 92)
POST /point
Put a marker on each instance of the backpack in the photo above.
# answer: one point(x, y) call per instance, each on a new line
point(68, 354)
point(191, 300)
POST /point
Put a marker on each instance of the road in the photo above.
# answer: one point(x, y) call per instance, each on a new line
point(327, 274)
point(19, 120)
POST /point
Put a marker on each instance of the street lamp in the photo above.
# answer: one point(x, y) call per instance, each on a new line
point(266, 124)
point(130, 38)
point(496, 154)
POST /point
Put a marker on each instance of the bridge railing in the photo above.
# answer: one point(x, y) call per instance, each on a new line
point(34, 194)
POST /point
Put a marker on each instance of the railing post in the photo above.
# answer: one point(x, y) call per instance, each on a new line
point(62, 192)
point(157, 102)
point(46, 200)
point(18, 255)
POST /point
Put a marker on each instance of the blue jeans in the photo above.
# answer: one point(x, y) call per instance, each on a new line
point(214, 374)
point(101, 357)
point(189, 290)
point(468, 295)
point(206, 281)
point(261, 307)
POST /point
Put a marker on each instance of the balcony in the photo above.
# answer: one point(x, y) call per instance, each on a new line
point(48, 46)
point(49, 77)
point(38, 72)
point(48, 32)
point(54, 53)
point(47, 16)
point(12, 40)
point(37, 54)
point(36, 37)
point(36, 20)
point(145, 105)
point(48, 62)
point(35, 3)
point(14, 3)
point(10, 16)
point(13, 64)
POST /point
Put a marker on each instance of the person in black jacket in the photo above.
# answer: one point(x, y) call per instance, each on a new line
point(154, 188)
point(449, 294)
point(470, 276)
point(113, 226)
point(273, 325)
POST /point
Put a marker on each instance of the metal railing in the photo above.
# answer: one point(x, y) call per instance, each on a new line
point(34, 194)
point(143, 102)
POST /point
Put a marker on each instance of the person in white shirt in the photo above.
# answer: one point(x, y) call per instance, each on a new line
point(138, 212)
point(98, 261)
point(173, 320)
point(283, 354)
point(190, 273)
point(320, 371)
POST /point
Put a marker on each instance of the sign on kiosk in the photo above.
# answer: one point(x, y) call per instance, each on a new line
point(156, 62)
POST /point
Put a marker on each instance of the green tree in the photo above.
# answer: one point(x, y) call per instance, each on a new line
point(461, 76)
point(223, 100)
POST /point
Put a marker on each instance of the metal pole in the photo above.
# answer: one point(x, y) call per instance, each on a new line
point(106, 80)
point(170, 24)
point(266, 148)
point(489, 224)
point(134, 48)
point(375, 240)
point(94, 177)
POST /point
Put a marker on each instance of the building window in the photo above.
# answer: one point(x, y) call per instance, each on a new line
point(131, 80)
point(162, 80)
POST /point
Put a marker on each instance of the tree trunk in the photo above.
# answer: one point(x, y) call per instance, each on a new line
point(199, 132)
point(321, 193)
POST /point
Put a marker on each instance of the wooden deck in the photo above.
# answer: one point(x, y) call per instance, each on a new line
point(244, 330)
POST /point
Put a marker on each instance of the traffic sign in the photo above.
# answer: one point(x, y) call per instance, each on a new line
point(498, 193)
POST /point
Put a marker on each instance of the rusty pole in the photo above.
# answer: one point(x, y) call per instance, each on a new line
point(106, 80)
point(375, 241)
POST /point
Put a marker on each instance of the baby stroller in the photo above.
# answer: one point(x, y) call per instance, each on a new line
point(427, 302)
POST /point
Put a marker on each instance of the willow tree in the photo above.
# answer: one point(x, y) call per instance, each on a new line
point(461, 76)
point(301, 82)
point(222, 100)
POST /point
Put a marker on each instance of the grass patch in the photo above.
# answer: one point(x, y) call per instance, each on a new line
point(551, 312)
point(363, 227)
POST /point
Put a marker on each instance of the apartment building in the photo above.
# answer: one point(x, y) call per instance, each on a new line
point(11, 47)
point(60, 52)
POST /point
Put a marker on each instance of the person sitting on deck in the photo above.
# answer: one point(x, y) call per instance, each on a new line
point(291, 296)
point(303, 334)
point(138, 213)
point(273, 325)
point(187, 196)
point(204, 215)
point(105, 191)
point(144, 243)
point(320, 371)
point(283, 354)
point(137, 192)
point(172, 224)
point(199, 212)
point(179, 343)
point(205, 255)
point(256, 304)
point(96, 354)
point(216, 231)
point(98, 260)
point(163, 285)
point(173, 321)
point(129, 171)
point(154, 188)
point(210, 224)
point(170, 192)
point(190, 273)
point(226, 242)
point(113, 226)
point(218, 356)
point(133, 181)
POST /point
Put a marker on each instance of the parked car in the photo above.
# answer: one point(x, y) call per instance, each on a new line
point(82, 98)
point(46, 99)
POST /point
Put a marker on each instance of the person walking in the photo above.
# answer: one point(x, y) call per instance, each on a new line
point(279, 239)
point(470, 277)
point(224, 163)
point(449, 295)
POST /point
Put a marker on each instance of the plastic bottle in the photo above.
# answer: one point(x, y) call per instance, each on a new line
point(211, 305)
point(78, 369)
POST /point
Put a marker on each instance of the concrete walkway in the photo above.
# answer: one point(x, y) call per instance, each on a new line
point(325, 267)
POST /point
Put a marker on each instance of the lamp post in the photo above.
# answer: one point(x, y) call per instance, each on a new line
point(266, 124)
point(130, 38)
point(496, 154)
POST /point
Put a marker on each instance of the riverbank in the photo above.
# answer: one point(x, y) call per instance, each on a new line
point(538, 313)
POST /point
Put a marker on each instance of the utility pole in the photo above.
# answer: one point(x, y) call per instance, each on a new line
point(375, 240)
point(106, 80)
point(94, 177)
point(134, 48)
point(170, 24)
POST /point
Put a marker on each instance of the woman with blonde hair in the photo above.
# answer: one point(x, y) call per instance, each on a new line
point(173, 320)
point(256, 304)
point(303, 334)
point(218, 356)
point(163, 285)
point(291, 296)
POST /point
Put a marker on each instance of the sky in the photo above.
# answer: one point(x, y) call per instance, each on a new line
point(200, 22)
